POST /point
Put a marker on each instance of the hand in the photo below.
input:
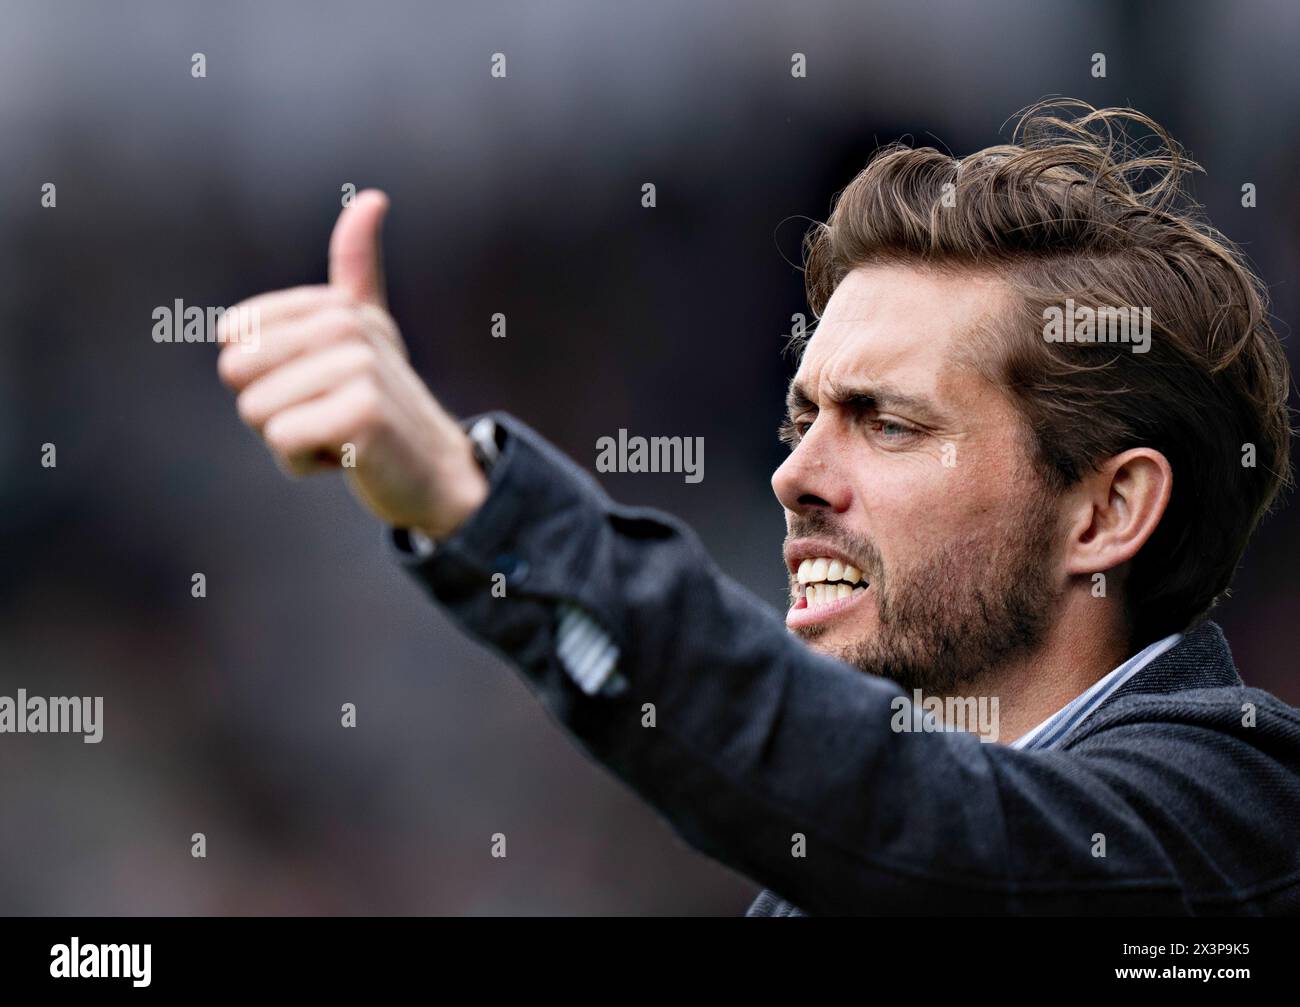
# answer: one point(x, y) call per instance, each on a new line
point(330, 371)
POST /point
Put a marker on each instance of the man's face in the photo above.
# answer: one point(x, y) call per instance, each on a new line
point(908, 472)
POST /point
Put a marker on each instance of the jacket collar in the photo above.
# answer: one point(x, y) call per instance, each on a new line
point(1202, 659)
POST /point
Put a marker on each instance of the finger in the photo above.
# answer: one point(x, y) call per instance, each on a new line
point(275, 307)
point(279, 343)
point(356, 262)
point(301, 435)
point(303, 378)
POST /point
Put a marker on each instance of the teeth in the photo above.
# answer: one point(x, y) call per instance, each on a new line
point(824, 579)
point(824, 594)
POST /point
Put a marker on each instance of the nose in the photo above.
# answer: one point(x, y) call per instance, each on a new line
point(812, 476)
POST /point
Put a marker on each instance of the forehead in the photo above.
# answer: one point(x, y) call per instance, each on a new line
point(906, 327)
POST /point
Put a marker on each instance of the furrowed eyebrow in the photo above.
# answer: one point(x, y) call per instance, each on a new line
point(865, 399)
point(797, 400)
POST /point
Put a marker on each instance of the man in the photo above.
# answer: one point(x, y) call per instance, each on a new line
point(1041, 414)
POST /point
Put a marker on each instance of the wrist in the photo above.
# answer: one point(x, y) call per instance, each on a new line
point(472, 492)
point(469, 486)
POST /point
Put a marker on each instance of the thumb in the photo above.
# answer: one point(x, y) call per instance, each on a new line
point(356, 260)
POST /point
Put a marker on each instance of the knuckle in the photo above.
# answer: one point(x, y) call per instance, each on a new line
point(234, 311)
point(382, 328)
point(249, 409)
point(276, 436)
point(363, 357)
point(375, 316)
point(367, 402)
point(228, 367)
point(343, 321)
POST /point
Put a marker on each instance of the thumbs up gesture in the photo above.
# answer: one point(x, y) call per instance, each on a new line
point(329, 386)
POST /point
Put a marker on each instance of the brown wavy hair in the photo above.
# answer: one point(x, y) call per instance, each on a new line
point(1090, 204)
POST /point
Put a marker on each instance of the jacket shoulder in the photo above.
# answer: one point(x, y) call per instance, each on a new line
point(1195, 684)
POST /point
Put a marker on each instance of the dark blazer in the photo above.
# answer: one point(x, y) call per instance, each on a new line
point(1186, 780)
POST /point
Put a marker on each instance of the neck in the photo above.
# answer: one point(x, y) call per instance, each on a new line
point(1085, 643)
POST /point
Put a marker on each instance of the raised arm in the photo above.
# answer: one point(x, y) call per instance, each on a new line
point(758, 740)
point(748, 742)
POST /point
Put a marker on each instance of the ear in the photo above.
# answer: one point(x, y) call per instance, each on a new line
point(1116, 510)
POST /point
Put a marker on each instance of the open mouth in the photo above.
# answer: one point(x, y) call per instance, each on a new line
point(825, 581)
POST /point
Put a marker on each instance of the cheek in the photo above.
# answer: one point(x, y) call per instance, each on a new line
point(911, 513)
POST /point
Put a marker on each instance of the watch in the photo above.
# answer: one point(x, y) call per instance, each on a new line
point(483, 437)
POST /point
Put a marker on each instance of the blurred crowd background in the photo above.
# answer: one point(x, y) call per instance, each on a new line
point(520, 196)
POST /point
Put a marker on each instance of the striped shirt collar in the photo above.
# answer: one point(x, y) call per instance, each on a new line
point(1050, 732)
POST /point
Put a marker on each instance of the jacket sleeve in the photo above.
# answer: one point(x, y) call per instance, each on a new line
point(748, 742)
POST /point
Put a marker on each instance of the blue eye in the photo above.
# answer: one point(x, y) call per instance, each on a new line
point(892, 431)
